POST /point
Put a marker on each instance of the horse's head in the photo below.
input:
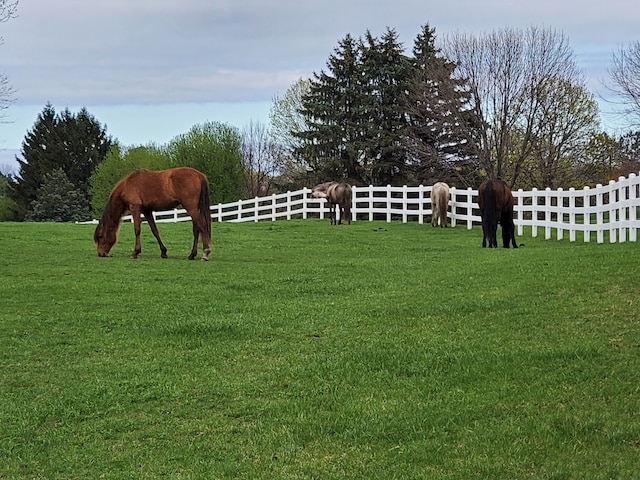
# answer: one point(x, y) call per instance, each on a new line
point(320, 191)
point(105, 239)
point(318, 194)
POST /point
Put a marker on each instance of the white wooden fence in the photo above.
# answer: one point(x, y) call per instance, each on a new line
point(611, 211)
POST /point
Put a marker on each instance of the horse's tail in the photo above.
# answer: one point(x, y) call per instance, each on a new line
point(348, 195)
point(490, 202)
point(204, 208)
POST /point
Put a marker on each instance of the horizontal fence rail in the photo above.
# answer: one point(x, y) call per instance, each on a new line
point(611, 211)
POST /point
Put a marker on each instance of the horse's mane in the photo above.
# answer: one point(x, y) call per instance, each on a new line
point(111, 218)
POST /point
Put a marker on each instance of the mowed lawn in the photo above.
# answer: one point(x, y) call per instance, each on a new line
point(367, 351)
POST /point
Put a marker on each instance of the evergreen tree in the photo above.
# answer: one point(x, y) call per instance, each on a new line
point(439, 140)
point(76, 144)
point(332, 143)
point(58, 200)
point(377, 116)
point(387, 73)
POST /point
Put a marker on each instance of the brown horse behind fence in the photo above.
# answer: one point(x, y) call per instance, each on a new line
point(339, 196)
point(496, 206)
point(440, 195)
point(144, 191)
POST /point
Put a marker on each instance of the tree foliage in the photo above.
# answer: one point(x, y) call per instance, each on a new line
point(625, 75)
point(58, 200)
point(118, 163)
point(74, 143)
point(332, 145)
point(7, 206)
point(214, 148)
point(524, 84)
point(285, 117)
point(8, 10)
point(261, 157)
point(440, 139)
point(378, 116)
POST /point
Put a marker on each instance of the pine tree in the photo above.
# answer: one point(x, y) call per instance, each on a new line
point(76, 144)
point(387, 71)
point(331, 107)
point(58, 200)
point(439, 116)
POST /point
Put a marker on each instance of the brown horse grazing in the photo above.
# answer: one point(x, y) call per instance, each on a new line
point(145, 191)
point(338, 195)
point(496, 206)
point(440, 195)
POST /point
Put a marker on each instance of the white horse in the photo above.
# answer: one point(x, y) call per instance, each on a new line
point(440, 196)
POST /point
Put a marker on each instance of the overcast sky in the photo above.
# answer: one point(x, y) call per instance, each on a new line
point(151, 69)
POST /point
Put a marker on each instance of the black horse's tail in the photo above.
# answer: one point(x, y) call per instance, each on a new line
point(204, 207)
point(490, 212)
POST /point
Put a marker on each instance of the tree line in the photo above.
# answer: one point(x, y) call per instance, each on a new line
point(510, 103)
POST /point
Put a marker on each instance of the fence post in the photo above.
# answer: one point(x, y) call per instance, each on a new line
point(256, 203)
point(520, 212)
point(547, 213)
point(633, 208)
point(370, 191)
point(572, 215)
point(559, 214)
point(304, 202)
point(586, 214)
point(613, 219)
point(273, 207)
point(354, 203)
point(420, 204)
point(534, 212)
point(405, 204)
point(453, 207)
point(622, 209)
point(389, 203)
point(469, 201)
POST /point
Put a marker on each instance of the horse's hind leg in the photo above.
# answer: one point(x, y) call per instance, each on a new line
point(196, 233)
point(148, 214)
point(485, 233)
point(206, 244)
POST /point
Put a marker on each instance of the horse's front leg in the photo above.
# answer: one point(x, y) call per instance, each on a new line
point(135, 215)
point(148, 214)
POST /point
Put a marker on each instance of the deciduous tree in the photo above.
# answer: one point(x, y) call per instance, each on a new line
point(118, 163)
point(214, 148)
point(512, 74)
point(625, 77)
point(8, 10)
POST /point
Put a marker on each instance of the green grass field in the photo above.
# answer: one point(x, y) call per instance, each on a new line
point(304, 351)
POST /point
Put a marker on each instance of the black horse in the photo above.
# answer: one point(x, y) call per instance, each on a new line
point(496, 206)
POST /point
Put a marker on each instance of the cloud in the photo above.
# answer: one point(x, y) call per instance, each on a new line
point(164, 52)
point(74, 51)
